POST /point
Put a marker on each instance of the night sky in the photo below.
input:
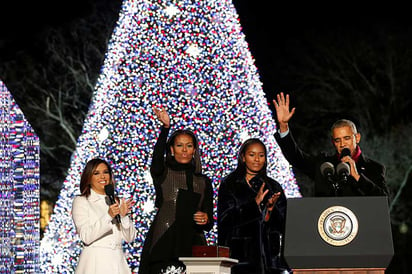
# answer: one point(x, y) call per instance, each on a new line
point(270, 26)
point(23, 23)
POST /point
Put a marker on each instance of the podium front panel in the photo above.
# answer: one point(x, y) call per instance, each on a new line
point(370, 246)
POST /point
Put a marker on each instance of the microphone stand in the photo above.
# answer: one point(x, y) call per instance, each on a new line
point(343, 171)
point(328, 172)
point(335, 185)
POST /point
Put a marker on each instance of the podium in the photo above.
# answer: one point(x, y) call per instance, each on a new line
point(208, 265)
point(208, 260)
point(336, 235)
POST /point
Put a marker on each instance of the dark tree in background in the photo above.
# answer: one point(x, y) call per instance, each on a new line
point(51, 67)
point(355, 64)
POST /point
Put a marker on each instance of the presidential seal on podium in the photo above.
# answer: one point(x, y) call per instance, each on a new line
point(338, 226)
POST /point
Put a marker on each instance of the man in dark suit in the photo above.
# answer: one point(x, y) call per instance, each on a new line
point(347, 173)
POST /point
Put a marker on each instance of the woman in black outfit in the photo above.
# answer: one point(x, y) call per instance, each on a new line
point(251, 213)
point(184, 198)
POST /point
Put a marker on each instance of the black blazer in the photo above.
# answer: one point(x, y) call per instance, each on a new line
point(372, 174)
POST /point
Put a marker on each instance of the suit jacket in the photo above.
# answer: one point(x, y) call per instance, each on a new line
point(372, 173)
point(102, 251)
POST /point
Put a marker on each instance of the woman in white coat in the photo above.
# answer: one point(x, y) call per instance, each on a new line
point(95, 219)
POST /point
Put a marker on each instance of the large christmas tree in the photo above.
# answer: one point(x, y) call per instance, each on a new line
point(191, 58)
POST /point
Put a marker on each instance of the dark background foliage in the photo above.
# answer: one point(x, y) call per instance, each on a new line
point(336, 60)
point(50, 58)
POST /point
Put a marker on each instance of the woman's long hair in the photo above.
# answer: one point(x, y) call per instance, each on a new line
point(88, 173)
point(196, 162)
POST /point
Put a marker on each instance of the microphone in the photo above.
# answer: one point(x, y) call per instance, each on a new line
point(344, 152)
point(327, 170)
point(109, 189)
point(343, 171)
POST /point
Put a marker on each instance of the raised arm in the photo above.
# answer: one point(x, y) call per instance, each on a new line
point(283, 113)
point(162, 116)
point(157, 166)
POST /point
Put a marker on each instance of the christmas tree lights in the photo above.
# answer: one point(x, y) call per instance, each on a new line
point(19, 190)
point(191, 58)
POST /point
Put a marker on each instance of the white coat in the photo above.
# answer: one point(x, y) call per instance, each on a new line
point(102, 252)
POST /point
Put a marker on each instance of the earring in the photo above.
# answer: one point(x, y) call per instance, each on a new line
point(172, 154)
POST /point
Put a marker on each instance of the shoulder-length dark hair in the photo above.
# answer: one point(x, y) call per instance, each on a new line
point(241, 165)
point(87, 174)
point(196, 162)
